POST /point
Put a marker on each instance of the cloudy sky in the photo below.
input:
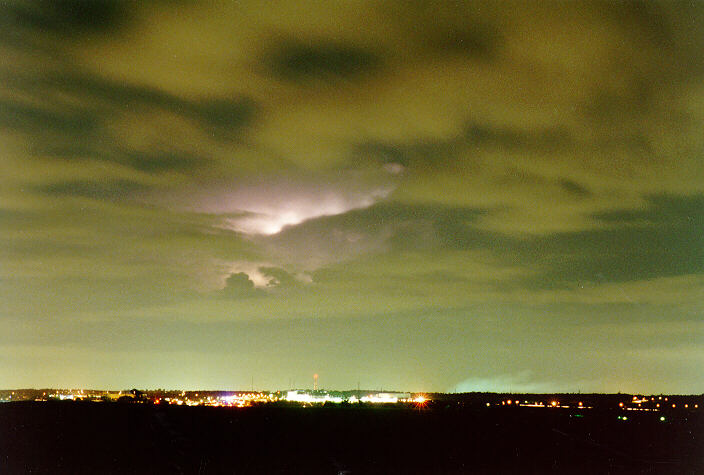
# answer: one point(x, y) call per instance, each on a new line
point(426, 195)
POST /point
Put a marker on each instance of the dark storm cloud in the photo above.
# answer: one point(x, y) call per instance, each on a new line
point(423, 154)
point(390, 212)
point(449, 29)
point(575, 188)
point(665, 25)
point(33, 119)
point(280, 278)
point(106, 96)
point(217, 112)
point(239, 285)
point(623, 255)
point(646, 17)
point(294, 60)
point(101, 190)
point(485, 137)
point(664, 240)
point(270, 283)
point(658, 53)
point(70, 17)
point(384, 227)
point(79, 127)
point(478, 41)
point(605, 104)
point(223, 114)
point(142, 160)
point(50, 129)
point(663, 210)
point(161, 161)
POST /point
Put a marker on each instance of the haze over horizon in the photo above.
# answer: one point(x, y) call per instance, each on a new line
point(424, 196)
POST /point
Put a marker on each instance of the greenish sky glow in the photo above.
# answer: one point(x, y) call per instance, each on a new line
point(436, 196)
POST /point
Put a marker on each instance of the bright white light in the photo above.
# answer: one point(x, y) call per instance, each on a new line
point(295, 396)
point(267, 207)
point(269, 223)
point(380, 398)
point(271, 213)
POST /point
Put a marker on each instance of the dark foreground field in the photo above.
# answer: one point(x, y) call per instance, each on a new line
point(102, 438)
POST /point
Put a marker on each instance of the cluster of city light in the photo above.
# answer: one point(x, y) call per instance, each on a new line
point(322, 397)
point(653, 404)
point(215, 398)
point(380, 398)
point(316, 397)
point(551, 403)
point(636, 403)
point(305, 397)
point(231, 400)
point(79, 395)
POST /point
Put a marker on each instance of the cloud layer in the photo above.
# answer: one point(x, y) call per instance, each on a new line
point(405, 172)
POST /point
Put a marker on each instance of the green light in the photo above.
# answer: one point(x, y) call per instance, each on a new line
point(662, 418)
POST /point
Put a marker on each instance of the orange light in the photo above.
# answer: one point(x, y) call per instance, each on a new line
point(509, 401)
point(620, 404)
point(554, 403)
point(420, 400)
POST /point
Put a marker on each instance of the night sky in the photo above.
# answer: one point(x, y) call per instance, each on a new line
point(422, 196)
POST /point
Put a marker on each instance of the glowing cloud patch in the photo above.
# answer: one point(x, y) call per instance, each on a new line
point(267, 208)
point(271, 217)
point(270, 214)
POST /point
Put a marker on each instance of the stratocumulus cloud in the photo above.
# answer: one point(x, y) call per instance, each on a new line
point(445, 182)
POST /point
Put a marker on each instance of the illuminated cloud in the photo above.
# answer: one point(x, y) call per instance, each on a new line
point(274, 211)
point(267, 207)
point(246, 275)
